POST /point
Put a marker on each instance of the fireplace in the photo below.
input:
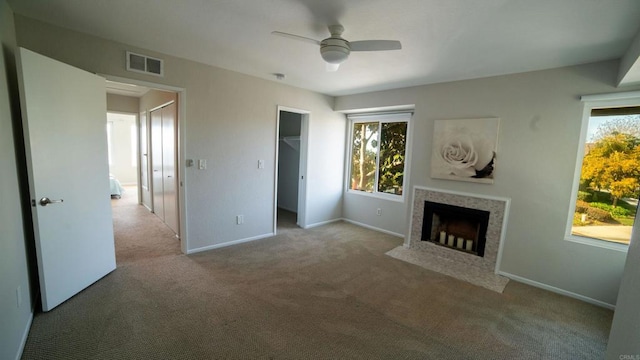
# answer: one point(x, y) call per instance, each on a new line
point(456, 227)
point(481, 219)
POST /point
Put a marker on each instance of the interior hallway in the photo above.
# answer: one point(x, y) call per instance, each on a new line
point(139, 234)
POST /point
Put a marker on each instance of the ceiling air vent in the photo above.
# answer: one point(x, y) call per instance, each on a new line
point(144, 64)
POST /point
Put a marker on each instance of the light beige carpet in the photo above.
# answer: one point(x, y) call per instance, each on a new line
point(325, 293)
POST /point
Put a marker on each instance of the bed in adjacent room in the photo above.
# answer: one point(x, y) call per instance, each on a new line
point(116, 188)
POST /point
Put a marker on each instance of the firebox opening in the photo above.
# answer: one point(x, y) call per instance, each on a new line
point(455, 227)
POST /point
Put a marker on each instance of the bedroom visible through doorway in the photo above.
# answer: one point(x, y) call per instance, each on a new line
point(122, 145)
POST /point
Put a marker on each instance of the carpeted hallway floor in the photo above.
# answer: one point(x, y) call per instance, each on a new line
point(323, 293)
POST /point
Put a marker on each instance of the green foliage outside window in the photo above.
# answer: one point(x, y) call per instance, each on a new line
point(378, 153)
point(392, 152)
point(609, 178)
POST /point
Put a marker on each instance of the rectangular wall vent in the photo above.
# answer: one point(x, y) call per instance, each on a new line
point(144, 64)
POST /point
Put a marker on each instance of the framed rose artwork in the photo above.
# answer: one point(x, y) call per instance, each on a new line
point(465, 149)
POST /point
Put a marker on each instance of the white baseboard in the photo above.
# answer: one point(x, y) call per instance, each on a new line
point(557, 290)
point(374, 228)
point(25, 334)
point(322, 223)
point(229, 243)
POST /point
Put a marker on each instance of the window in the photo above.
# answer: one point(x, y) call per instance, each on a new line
point(607, 180)
point(378, 154)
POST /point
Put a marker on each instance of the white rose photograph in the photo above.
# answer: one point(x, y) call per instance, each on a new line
point(465, 149)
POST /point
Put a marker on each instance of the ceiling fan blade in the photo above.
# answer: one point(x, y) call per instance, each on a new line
point(332, 67)
point(296, 37)
point(375, 45)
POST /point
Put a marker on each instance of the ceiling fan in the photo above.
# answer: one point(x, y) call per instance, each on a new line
point(335, 49)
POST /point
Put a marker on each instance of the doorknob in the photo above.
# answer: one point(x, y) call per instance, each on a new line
point(46, 201)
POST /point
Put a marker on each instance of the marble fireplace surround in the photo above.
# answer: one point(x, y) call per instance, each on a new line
point(481, 271)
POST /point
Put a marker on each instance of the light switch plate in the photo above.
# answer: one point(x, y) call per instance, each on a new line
point(202, 164)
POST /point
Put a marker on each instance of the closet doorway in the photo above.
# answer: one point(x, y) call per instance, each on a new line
point(291, 167)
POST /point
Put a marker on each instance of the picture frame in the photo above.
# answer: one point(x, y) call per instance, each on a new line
point(465, 149)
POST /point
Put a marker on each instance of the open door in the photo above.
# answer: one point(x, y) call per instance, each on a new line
point(64, 117)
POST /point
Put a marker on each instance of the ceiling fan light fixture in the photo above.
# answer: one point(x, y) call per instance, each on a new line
point(334, 54)
point(334, 50)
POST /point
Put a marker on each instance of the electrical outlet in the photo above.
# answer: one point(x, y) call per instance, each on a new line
point(240, 219)
point(379, 212)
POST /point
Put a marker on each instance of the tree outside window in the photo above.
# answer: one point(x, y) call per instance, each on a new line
point(610, 179)
point(378, 151)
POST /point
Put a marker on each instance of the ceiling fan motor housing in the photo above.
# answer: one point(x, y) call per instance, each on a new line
point(335, 50)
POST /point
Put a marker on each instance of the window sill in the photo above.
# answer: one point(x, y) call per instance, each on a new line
point(598, 243)
point(382, 196)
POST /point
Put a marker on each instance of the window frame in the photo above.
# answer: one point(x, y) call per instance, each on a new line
point(592, 102)
point(380, 118)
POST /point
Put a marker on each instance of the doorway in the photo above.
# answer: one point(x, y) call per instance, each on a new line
point(291, 166)
point(160, 111)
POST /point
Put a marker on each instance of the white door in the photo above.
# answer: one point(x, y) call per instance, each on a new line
point(170, 184)
point(156, 163)
point(64, 117)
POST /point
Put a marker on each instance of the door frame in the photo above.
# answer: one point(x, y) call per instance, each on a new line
point(302, 166)
point(180, 137)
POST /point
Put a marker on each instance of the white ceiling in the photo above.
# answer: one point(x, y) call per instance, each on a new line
point(443, 40)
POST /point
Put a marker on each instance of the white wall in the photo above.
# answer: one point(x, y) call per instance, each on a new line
point(539, 133)
point(288, 162)
point(122, 149)
point(623, 339)
point(14, 275)
point(123, 104)
point(230, 122)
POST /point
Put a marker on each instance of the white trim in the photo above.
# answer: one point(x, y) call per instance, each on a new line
point(387, 117)
point(374, 228)
point(378, 195)
point(394, 108)
point(601, 243)
point(557, 290)
point(25, 335)
point(611, 96)
point(230, 243)
point(322, 223)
